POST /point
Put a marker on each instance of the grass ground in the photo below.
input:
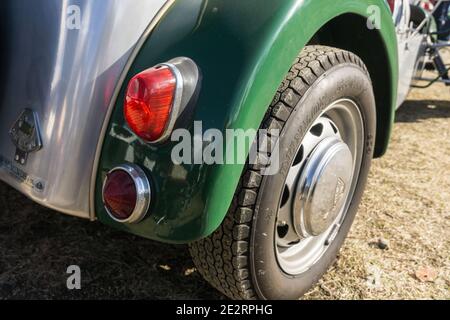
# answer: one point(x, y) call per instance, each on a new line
point(407, 206)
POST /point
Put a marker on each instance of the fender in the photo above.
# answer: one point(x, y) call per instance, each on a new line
point(244, 50)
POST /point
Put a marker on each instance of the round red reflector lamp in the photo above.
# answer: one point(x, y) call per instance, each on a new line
point(149, 102)
point(127, 194)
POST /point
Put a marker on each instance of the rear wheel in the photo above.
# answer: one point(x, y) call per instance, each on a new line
point(283, 231)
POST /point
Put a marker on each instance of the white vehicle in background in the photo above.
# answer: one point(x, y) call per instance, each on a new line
point(423, 27)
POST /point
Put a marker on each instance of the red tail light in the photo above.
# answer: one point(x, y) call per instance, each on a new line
point(126, 194)
point(392, 5)
point(149, 101)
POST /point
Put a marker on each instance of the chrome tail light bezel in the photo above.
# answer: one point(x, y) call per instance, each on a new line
point(188, 79)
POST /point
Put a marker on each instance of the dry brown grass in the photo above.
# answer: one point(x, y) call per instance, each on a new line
point(407, 202)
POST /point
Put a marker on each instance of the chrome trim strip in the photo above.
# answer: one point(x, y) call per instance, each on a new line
point(113, 101)
point(143, 193)
point(176, 105)
point(187, 75)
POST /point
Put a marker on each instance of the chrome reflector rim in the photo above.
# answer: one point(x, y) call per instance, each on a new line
point(143, 193)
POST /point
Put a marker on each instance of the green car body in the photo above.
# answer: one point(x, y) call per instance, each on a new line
point(244, 49)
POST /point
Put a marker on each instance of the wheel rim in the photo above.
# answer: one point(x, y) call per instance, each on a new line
point(319, 187)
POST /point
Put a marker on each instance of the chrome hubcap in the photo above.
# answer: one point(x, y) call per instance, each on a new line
point(319, 187)
point(322, 187)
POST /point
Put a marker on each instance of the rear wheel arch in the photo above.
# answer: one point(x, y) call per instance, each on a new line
point(291, 37)
point(349, 32)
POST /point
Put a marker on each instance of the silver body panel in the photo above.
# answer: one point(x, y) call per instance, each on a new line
point(411, 46)
point(69, 78)
point(410, 52)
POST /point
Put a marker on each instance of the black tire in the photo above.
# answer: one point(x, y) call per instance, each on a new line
point(239, 258)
